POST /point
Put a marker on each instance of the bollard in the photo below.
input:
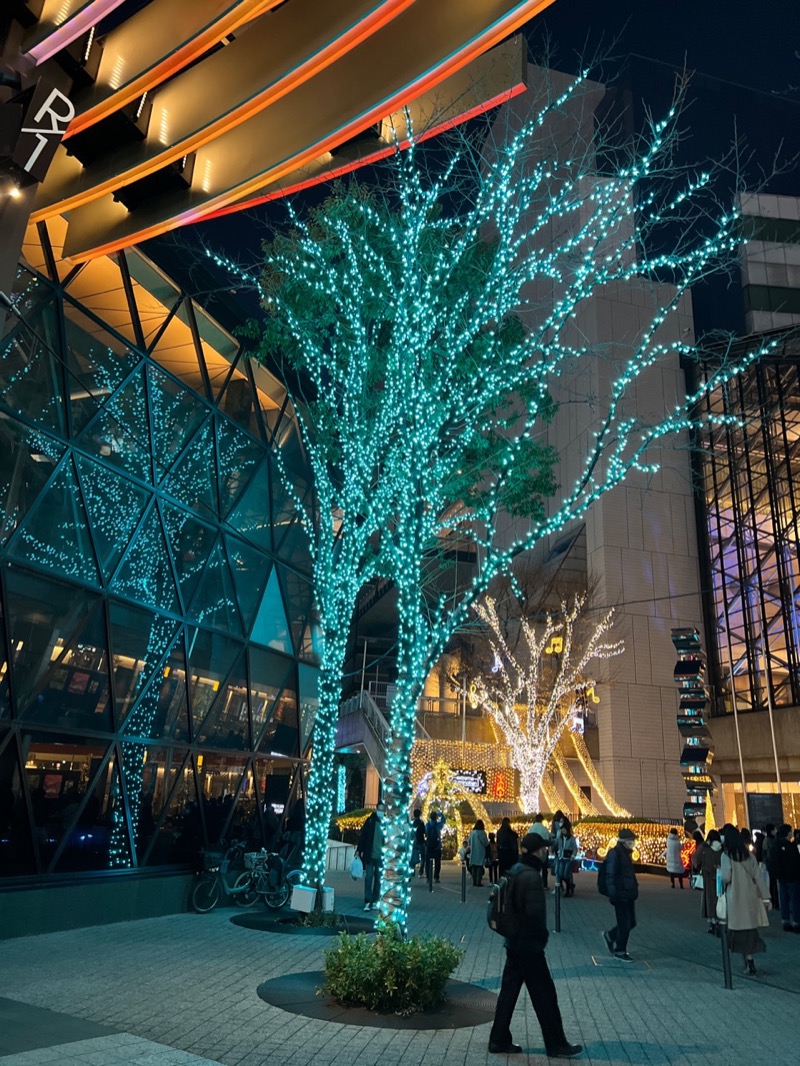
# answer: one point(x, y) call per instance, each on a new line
point(726, 955)
point(558, 907)
point(463, 882)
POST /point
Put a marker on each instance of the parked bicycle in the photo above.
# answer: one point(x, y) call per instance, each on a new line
point(273, 875)
point(213, 881)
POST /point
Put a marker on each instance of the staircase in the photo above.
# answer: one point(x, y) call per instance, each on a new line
point(362, 724)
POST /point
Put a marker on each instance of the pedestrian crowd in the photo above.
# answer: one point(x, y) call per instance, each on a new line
point(740, 875)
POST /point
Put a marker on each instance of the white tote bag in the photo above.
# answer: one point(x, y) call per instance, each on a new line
point(356, 868)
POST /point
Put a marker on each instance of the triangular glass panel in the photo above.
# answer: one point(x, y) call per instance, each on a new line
point(270, 627)
point(190, 542)
point(140, 645)
point(227, 724)
point(63, 778)
point(211, 659)
point(155, 778)
point(282, 734)
point(115, 506)
point(27, 459)
point(120, 433)
point(193, 480)
point(221, 778)
point(145, 574)
point(299, 600)
point(94, 370)
point(274, 783)
point(177, 414)
point(269, 673)
point(250, 516)
point(16, 838)
point(238, 457)
point(55, 532)
point(309, 701)
point(289, 536)
point(238, 402)
point(60, 665)
point(214, 602)
point(250, 570)
point(30, 374)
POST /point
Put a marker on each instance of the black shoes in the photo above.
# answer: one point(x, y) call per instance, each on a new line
point(750, 968)
point(505, 1049)
point(566, 1051)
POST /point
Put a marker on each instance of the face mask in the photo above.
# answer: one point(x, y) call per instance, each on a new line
point(379, 815)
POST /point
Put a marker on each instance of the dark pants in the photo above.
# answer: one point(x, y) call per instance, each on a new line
point(418, 856)
point(493, 873)
point(372, 882)
point(790, 903)
point(477, 874)
point(626, 920)
point(530, 969)
point(434, 859)
point(506, 859)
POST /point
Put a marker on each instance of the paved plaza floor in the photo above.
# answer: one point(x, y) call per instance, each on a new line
point(181, 990)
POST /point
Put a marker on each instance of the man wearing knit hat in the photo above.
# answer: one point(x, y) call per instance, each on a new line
point(525, 959)
point(623, 891)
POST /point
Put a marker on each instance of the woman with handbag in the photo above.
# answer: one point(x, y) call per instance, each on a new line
point(746, 913)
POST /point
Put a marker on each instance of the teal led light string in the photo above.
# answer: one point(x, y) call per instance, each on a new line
point(425, 372)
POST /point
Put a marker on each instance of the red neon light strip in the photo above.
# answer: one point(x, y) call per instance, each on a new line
point(368, 160)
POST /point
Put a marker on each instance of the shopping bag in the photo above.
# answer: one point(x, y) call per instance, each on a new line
point(696, 881)
point(356, 868)
point(722, 908)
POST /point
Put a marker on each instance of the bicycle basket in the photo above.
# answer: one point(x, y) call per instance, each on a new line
point(212, 860)
point(254, 858)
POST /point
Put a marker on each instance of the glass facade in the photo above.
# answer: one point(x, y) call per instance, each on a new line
point(157, 678)
point(750, 490)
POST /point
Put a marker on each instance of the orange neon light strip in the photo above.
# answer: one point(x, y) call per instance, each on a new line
point(381, 15)
point(174, 61)
point(495, 33)
point(368, 160)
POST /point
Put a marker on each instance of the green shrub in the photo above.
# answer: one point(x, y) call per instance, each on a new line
point(389, 974)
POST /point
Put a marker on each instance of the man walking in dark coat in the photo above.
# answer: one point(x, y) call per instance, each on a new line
point(525, 959)
point(623, 891)
point(370, 851)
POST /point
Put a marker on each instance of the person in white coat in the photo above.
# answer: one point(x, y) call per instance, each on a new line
point(675, 867)
point(478, 845)
point(746, 913)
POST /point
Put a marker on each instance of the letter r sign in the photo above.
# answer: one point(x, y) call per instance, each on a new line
point(44, 123)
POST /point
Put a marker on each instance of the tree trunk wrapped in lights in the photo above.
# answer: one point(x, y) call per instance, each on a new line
point(535, 692)
point(425, 369)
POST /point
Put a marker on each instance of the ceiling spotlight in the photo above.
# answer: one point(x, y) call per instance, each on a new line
point(14, 192)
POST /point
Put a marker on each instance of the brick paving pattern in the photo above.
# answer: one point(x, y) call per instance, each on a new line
point(181, 990)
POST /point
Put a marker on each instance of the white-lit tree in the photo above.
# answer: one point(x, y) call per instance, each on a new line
point(414, 316)
point(537, 682)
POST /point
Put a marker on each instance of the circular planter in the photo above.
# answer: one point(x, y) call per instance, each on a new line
point(465, 1007)
point(275, 923)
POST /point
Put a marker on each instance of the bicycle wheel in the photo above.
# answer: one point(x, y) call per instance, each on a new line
point(244, 892)
point(276, 897)
point(205, 895)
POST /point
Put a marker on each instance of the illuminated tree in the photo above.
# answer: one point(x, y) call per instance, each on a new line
point(536, 687)
point(428, 324)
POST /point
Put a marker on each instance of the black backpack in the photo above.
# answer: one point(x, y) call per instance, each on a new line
point(602, 879)
point(501, 915)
